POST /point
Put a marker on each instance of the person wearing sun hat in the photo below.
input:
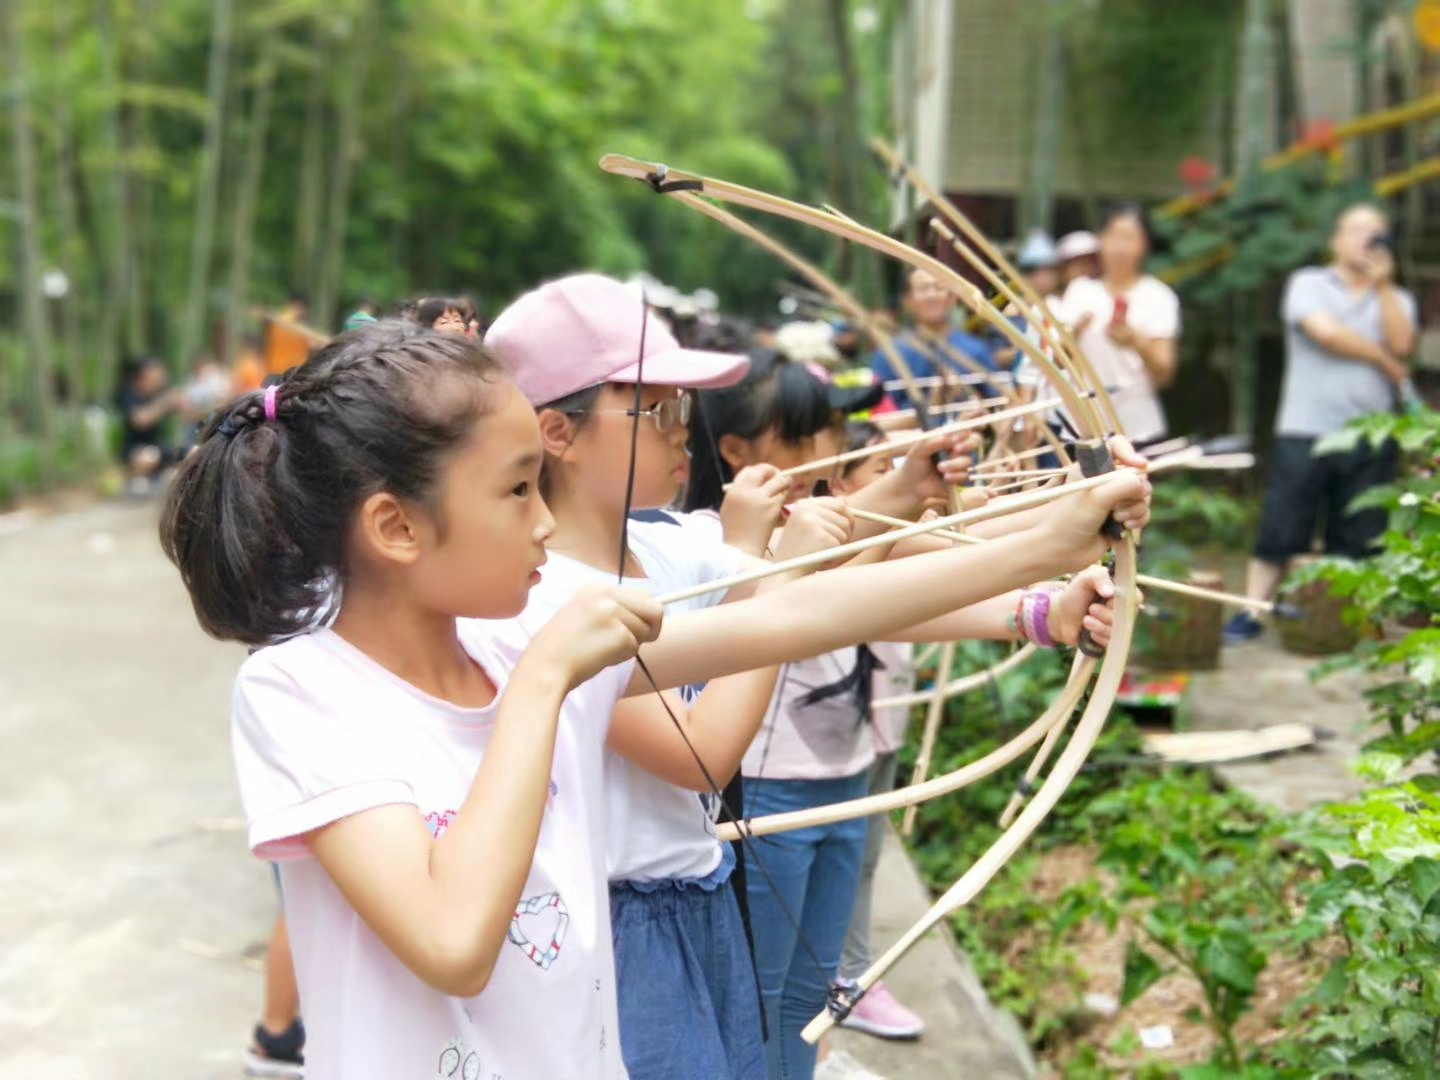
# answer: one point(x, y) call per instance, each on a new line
point(580, 332)
point(1079, 257)
point(688, 993)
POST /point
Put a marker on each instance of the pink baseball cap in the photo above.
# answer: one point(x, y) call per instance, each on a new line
point(584, 330)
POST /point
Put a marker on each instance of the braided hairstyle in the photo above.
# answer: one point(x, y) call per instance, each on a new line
point(257, 518)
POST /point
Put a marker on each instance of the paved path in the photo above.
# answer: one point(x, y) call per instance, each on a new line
point(130, 903)
point(133, 917)
point(1259, 684)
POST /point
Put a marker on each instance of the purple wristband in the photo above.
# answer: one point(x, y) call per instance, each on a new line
point(1037, 618)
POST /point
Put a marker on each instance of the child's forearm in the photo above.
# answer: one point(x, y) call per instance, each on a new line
point(989, 620)
point(483, 860)
point(444, 906)
point(719, 728)
point(838, 608)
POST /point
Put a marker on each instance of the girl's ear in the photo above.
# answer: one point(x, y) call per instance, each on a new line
point(556, 434)
point(387, 529)
point(736, 451)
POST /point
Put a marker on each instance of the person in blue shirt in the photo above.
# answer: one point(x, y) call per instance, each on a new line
point(934, 344)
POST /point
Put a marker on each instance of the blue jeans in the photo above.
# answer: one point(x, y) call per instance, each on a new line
point(685, 980)
point(810, 878)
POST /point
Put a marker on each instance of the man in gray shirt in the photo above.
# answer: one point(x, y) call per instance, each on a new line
point(1348, 330)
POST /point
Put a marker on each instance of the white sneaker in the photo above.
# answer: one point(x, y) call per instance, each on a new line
point(841, 1066)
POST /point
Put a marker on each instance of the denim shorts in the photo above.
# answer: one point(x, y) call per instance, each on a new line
point(688, 1003)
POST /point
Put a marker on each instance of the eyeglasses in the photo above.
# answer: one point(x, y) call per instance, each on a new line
point(667, 414)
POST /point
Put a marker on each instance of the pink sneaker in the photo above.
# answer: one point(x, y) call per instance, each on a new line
point(879, 1014)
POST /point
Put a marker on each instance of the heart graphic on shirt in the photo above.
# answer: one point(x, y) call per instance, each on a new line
point(538, 927)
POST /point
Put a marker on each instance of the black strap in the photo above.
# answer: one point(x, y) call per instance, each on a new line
point(661, 186)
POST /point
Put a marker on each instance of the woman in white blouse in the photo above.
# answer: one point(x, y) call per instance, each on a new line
point(1128, 323)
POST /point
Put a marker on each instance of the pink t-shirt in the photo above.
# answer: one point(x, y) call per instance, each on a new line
point(897, 677)
point(821, 740)
point(322, 732)
point(798, 741)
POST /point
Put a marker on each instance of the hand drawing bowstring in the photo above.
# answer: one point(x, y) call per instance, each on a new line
point(1084, 399)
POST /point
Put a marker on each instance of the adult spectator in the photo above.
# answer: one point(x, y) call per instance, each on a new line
point(1348, 331)
point(1128, 324)
point(1039, 260)
point(933, 345)
point(145, 401)
point(1078, 253)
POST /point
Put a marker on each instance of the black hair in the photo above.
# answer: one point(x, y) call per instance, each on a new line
point(775, 395)
point(577, 406)
point(257, 517)
point(1133, 210)
point(858, 435)
point(429, 309)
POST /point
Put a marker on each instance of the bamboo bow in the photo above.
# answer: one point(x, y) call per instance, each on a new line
point(1093, 416)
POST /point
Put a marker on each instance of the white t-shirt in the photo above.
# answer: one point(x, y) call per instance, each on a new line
point(322, 732)
point(656, 830)
point(896, 677)
point(1154, 312)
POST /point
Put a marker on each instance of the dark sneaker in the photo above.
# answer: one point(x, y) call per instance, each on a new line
point(277, 1055)
point(1242, 627)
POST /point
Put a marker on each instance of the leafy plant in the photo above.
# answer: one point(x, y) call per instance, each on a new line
point(1274, 223)
point(1201, 873)
point(1376, 1013)
point(1401, 584)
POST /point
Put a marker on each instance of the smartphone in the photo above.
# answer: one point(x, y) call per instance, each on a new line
point(1122, 308)
point(1379, 241)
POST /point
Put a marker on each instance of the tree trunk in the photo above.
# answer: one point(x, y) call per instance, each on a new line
point(851, 153)
point(116, 206)
point(34, 317)
point(202, 248)
point(332, 253)
point(243, 236)
point(72, 254)
point(1255, 131)
point(1038, 207)
point(312, 170)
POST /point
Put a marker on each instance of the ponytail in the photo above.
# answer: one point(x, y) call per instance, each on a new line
point(258, 515)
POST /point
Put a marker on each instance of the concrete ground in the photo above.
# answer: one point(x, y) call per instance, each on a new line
point(132, 912)
point(133, 916)
point(966, 1036)
point(1260, 684)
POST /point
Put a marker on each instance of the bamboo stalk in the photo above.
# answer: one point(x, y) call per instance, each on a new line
point(1266, 607)
point(978, 422)
point(884, 802)
point(804, 562)
point(933, 715)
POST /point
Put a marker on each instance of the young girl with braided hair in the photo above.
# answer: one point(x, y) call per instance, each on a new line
point(426, 767)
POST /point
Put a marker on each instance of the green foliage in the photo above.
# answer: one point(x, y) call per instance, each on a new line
point(1195, 511)
point(1400, 586)
point(1148, 72)
point(477, 126)
point(1376, 1013)
point(1201, 873)
point(1274, 223)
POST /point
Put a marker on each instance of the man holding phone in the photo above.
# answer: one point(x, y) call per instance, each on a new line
point(1348, 331)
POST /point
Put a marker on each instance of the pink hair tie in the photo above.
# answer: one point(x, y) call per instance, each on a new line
point(271, 392)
